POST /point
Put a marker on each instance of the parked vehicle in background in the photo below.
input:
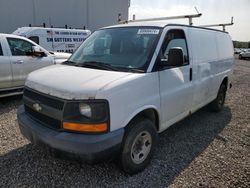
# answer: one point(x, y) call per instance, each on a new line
point(237, 50)
point(60, 57)
point(123, 86)
point(55, 39)
point(18, 57)
point(245, 54)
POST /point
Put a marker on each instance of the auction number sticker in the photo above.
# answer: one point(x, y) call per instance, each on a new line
point(148, 31)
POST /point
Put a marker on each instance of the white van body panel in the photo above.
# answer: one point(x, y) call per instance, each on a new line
point(204, 53)
point(131, 95)
point(210, 65)
point(55, 39)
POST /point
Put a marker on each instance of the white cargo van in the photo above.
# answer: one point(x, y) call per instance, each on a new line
point(55, 39)
point(123, 86)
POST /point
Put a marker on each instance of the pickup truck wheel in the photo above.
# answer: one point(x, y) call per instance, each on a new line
point(138, 146)
point(218, 103)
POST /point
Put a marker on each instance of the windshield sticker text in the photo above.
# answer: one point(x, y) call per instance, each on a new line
point(148, 31)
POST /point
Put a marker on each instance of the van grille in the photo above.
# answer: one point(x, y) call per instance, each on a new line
point(52, 102)
point(43, 119)
point(52, 108)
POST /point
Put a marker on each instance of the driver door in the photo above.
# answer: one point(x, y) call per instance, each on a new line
point(175, 81)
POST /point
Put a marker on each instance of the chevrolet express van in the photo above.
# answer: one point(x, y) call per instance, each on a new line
point(123, 86)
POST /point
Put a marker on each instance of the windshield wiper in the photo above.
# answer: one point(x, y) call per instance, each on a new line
point(69, 62)
point(95, 64)
point(135, 70)
point(101, 65)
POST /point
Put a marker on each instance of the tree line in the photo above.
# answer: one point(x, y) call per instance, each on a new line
point(238, 44)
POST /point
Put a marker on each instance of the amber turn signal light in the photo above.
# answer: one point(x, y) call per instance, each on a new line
point(82, 127)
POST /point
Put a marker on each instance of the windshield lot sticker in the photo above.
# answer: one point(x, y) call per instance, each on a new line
point(148, 31)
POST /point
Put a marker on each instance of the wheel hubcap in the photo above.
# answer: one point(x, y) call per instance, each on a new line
point(141, 147)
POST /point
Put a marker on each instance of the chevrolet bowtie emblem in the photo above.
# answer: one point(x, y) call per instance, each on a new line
point(37, 107)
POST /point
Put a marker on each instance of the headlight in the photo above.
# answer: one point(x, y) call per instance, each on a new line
point(88, 111)
point(86, 116)
point(85, 110)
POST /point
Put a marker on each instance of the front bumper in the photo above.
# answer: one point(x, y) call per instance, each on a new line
point(89, 148)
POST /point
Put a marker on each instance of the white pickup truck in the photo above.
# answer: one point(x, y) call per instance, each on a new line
point(123, 86)
point(18, 57)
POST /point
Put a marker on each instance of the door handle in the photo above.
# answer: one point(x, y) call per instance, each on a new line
point(190, 74)
point(18, 62)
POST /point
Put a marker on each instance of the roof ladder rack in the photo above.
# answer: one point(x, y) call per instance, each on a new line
point(189, 17)
point(223, 25)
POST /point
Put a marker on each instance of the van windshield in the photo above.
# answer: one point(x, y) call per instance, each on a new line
point(121, 49)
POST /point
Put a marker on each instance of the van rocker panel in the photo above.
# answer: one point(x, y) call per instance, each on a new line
point(89, 148)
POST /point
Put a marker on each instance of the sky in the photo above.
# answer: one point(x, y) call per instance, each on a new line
point(213, 12)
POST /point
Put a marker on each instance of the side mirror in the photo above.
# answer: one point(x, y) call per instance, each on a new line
point(175, 57)
point(37, 51)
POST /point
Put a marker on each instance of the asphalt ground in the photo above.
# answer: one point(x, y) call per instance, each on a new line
point(204, 150)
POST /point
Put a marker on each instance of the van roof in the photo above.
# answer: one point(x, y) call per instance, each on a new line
point(146, 23)
point(160, 24)
point(28, 29)
point(51, 28)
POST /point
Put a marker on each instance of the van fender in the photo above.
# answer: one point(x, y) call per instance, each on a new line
point(139, 110)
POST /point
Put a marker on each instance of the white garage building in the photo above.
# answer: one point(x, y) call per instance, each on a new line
point(92, 14)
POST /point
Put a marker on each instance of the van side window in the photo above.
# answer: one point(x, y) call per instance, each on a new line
point(34, 39)
point(175, 38)
point(20, 47)
point(1, 51)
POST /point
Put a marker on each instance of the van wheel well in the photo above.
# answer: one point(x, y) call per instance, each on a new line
point(150, 114)
point(225, 82)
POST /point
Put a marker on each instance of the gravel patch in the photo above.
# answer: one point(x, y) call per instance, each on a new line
point(204, 150)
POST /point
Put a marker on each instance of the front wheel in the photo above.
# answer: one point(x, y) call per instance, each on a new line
point(138, 146)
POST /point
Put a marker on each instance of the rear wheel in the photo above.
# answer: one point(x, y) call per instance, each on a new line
point(218, 103)
point(138, 146)
point(240, 57)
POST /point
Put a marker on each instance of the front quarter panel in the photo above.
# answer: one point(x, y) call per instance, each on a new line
point(129, 96)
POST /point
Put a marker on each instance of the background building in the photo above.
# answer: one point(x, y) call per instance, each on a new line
point(92, 14)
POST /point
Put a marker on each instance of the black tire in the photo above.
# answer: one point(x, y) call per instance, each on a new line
point(240, 57)
point(135, 138)
point(218, 104)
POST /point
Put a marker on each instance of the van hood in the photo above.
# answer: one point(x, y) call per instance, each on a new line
point(69, 82)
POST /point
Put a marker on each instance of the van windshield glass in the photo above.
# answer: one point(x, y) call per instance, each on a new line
point(119, 49)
